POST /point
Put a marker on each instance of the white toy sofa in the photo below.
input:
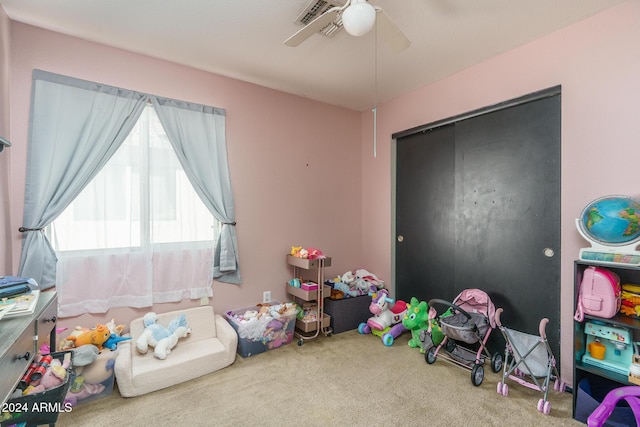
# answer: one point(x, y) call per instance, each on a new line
point(211, 345)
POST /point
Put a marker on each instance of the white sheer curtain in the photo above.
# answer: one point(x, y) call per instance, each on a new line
point(138, 234)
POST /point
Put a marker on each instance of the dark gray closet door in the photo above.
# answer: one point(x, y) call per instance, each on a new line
point(492, 209)
point(425, 224)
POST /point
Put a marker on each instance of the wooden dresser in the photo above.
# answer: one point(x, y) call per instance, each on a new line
point(20, 339)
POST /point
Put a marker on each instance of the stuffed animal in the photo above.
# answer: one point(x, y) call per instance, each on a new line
point(165, 345)
point(84, 355)
point(416, 319)
point(370, 278)
point(55, 375)
point(313, 253)
point(112, 342)
point(114, 338)
point(85, 390)
point(154, 333)
point(100, 370)
point(363, 287)
point(340, 286)
point(348, 278)
point(115, 328)
point(96, 336)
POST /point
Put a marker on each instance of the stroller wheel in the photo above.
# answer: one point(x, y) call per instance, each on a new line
point(503, 389)
point(450, 346)
point(496, 362)
point(430, 356)
point(559, 385)
point(546, 408)
point(477, 374)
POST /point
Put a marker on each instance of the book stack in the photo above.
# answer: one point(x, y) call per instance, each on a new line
point(16, 297)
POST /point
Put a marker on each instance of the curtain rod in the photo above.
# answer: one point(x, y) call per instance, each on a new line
point(4, 143)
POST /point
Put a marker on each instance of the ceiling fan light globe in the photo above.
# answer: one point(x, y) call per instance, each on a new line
point(358, 18)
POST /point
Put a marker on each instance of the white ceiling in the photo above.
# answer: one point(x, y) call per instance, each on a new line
point(244, 39)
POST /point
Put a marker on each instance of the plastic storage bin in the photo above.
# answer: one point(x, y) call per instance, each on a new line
point(94, 381)
point(591, 392)
point(259, 334)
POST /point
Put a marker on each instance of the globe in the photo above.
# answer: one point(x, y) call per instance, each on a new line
point(612, 220)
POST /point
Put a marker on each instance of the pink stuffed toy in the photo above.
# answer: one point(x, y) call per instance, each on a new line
point(314, 253)
point(86, 390)
point(55, 375)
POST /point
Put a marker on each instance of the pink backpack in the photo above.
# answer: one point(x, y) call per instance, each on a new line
point(599, 294)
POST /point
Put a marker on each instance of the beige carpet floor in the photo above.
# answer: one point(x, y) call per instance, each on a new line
point(343, 379)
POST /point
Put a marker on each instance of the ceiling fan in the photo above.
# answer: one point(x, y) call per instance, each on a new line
point(358, 17)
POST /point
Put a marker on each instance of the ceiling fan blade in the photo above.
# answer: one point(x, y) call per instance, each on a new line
point(390, 32)
point(313, 27)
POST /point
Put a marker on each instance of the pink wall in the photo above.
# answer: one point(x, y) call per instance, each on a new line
point(597, 64)
point(296, 181)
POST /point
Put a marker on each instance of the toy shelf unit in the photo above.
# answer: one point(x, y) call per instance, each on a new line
point(311, 292)
point(605, 366)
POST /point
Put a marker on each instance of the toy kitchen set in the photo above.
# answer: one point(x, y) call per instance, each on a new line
point(608, 347)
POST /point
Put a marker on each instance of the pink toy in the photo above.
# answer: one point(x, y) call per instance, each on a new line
point(385, 315)
point(599, 294)
point(314, 253)
point(55, 375)
point(86, 390)
point(387, 319)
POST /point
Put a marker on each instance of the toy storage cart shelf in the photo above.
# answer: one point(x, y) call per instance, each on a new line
point(304, 268)
point(599, 377)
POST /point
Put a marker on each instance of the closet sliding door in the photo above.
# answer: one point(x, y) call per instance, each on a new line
point(478, 206)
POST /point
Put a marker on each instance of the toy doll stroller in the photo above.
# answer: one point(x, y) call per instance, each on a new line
point(470, 320)
point(529, 361)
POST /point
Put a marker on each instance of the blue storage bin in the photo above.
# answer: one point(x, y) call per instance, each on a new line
point(591, 392)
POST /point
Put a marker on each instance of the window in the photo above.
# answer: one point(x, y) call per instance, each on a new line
point(136, 234)
point(142, 198)
point(138, 230)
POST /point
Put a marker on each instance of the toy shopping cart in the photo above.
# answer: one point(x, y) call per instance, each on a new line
point(529, 361)
point(470, 320)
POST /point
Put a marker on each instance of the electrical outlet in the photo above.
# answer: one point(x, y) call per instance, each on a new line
point(204, 300)
point(266, 297)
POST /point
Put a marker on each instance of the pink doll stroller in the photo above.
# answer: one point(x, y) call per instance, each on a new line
point(529, 357)
point(469, 319)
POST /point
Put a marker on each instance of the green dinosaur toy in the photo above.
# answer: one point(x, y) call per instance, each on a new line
point(416, 319)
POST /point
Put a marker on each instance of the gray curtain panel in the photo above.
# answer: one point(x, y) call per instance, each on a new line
point(75, 127)
point(197, 134)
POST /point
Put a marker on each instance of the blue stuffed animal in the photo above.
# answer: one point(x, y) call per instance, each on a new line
point(154, 332)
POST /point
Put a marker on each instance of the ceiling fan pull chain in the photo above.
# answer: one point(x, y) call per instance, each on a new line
point(375, 92)
point(375, 139)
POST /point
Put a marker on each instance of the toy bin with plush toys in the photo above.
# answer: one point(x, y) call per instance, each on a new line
point(94, 355)
point(40, 395)
point(263, 327)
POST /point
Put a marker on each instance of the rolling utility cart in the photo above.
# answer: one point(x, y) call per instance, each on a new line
point(307, 294)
